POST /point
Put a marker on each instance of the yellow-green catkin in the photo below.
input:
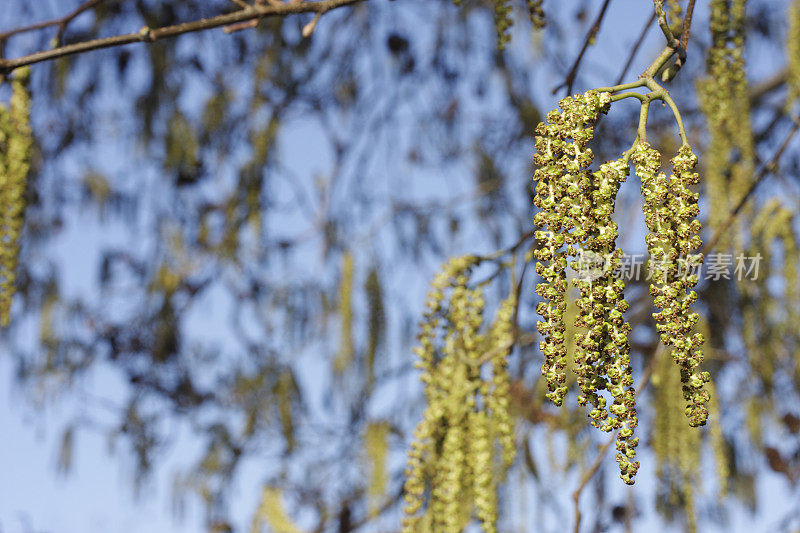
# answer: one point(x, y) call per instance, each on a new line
point(272, 514)
point(503, 21)
point(671, 212)
point(718, 445)
point(602, 353)
point(16, 145)
point(376, 447)
point(346, 347)
point(561, 179)
point(793, 50)
point(502, 18)
point(759, 309)
point(536, 13)
point(675, 444)
point(575, 219)
point(285, 388)
point(376, 320)
point(723, 96)
point(770, 323)
point(465, 439)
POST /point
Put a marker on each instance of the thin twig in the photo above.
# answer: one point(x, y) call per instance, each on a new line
point(687, 26)
point(61, 22)
point(757, 92)
point(573, 72)
point(664, 25)
point(636, 47)
point(766, 169)
point(146, 35)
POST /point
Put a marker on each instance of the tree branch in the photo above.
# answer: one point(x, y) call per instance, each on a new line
point(683, 44)
point(573, 72)
point(635, 49)
point(147, 35)
point(60, 22)
point(687, 25)
point(766, 169)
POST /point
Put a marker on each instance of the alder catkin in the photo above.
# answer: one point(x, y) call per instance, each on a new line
point(16, 145)
point(561, 180)
point(793, 50)
point(724, 101)
point(670, 210)
point(464, 442)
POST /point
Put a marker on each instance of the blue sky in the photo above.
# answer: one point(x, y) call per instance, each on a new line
point(97, 496)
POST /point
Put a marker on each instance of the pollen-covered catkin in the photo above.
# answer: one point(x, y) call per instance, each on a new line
point(793, 50)
point(723, 97)
point(576, 219)
point(562, 179)
point(16, 144)
point(536, 13)
point(670, 210)
point(346, 348)
point(465, 439)
point(676, 445)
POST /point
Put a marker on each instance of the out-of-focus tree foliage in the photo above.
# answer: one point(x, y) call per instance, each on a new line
point(228, 237)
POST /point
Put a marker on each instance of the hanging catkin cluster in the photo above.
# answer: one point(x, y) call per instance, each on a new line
point(562, 178)
point(576, 218)
point(724, 100)
point(770, 323)
point(670, 210)
point(16, 143)
point(466, 435)
point(675, 445)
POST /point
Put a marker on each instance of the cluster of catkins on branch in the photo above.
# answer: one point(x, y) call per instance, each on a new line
point(575, 220)
point(576, 209)
point(16, 144)
point(465, 439)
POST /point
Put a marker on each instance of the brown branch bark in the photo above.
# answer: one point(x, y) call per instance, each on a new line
point(685, 31)
point(147, 35)
point(573, 72)
point(635, 49)
point(61, 22)
point(687, 25)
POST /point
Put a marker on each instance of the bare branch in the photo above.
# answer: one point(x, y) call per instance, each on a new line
point(60, 22)
point(636, 47)
point(147, 35)
point(573, 72)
